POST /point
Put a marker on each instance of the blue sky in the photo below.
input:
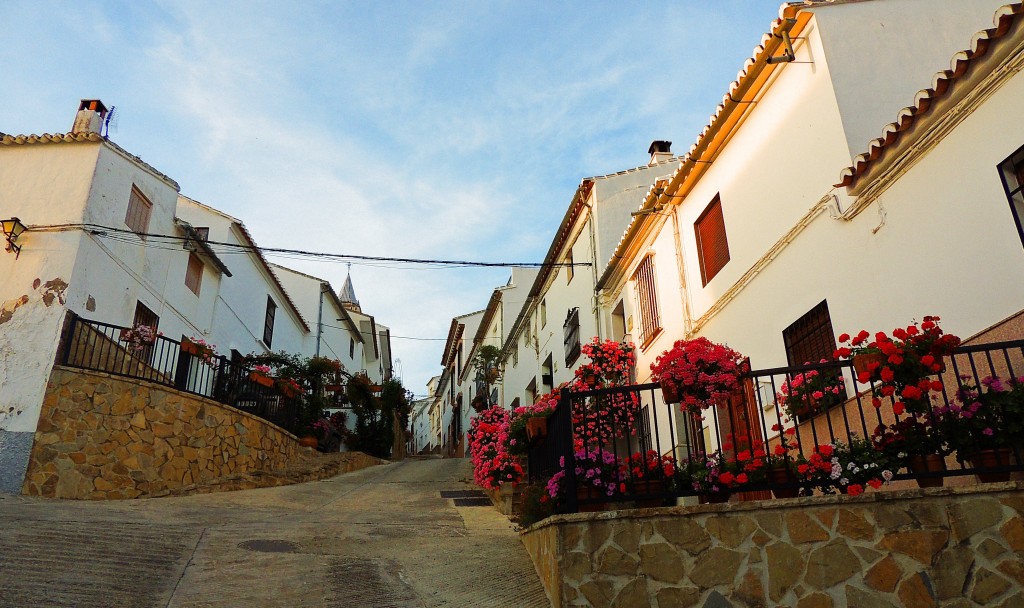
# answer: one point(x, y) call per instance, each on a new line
point(407, 129)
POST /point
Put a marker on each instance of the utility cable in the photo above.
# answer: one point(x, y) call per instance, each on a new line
point(123, 234)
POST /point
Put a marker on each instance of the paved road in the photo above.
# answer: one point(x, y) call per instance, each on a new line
point(380, 537)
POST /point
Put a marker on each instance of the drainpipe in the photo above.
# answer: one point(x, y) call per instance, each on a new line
point(684, 293)
point(320, 320)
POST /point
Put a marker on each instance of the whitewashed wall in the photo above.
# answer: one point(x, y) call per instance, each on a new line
point(881, 53)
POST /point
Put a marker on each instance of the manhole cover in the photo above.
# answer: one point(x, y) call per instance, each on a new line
point(269, 546)
point(462, 494)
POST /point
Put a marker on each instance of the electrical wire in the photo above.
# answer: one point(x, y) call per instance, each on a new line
point(162, 241)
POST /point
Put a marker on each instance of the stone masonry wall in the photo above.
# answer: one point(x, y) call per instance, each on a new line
point(956, 547)
point(105, 437)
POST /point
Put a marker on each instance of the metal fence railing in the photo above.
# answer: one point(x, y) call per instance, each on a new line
point(113, 349)
point(781, 416)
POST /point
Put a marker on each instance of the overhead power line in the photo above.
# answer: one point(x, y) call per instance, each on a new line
point(159, 241)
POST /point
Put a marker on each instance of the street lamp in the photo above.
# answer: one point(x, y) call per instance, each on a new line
point(12, 230)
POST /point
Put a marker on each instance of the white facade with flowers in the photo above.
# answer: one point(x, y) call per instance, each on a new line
point(111, 240)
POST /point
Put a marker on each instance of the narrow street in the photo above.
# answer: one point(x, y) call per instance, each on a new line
point(379, 537)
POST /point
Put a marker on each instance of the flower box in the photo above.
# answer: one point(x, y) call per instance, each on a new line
point(990, 459)
point(261, 379)
point(863, 363)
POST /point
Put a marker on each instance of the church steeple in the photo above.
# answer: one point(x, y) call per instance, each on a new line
point(348, 294)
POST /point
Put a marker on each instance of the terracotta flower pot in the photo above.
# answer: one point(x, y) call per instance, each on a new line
point(589, 493)
point(191, 348)
point(670, 392)
point(780, 476)
point(308, 442)
point(719, 497)
point(646, 489)
point(924, 463)
point(990, 459)
point(861, 363)
point(536, 428)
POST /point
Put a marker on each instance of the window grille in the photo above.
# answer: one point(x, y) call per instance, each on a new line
point(646, 301)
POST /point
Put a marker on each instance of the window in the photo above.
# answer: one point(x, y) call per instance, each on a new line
point(1012, 173)
point(194, 273)
point(351, 348)
point(712, 246)
point(646, 301)
point(571, 336)
point(145, 316)
point(268, 322)
point(569, 272)
point(139, 209)
point(203, 233)
point(515, 358)
point(543, 313)
point(619, 322)
point(810, 338)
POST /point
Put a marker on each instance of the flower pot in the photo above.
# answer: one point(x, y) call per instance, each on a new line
point(861, 363)
point(670, 392)
point(261, 379)
point(646, 489)
point(536, 428)
point(590, 493)
point(990, 459)
point(719, 497)
point(308, 442)
point(590, 379)
point(334, 388)
point(924, 463)
point(191, 348)
point(780, 476)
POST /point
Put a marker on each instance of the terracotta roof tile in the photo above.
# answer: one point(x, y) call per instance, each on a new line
point(942, 84)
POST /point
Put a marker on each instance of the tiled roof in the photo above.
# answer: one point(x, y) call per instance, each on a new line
point(266, 266)
point(943, 84)
point(71, 138)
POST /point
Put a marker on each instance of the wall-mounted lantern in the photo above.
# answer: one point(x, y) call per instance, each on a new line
point(12, 230)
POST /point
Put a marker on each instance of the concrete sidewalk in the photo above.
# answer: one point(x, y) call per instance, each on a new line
point(382, 536)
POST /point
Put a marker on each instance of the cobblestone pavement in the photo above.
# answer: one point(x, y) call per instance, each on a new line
point(380, 537)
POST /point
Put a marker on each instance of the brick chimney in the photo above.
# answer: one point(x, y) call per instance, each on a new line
point(659, 151)
point(89, 119)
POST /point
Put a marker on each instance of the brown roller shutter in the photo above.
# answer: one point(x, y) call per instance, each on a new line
point(712, 245)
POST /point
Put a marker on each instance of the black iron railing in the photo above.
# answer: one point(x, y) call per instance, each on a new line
point(114, 349)
point(770, 416)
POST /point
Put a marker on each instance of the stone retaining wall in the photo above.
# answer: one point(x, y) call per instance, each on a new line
point(959, 547)
point(103, 437)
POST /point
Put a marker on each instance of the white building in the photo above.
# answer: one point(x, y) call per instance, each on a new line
point(541, 346)
point(752, 243)
point(111, 240)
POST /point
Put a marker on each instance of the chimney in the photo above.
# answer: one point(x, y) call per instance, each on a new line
point(659, 151)
point(89, 119)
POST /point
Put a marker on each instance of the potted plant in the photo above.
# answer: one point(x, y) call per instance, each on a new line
point(260, 374)
point(200, 349)
point(983, 426)
point(528, 423)
point(610, 363)
point(915, 442)
point(698, 373)
point(899, 365)
point(647, 475)
point(139, 336)
point(597, 476)
point(288, 387)
point(493, 464)
point(714, 476)
point(807, 392)
point(858, 464)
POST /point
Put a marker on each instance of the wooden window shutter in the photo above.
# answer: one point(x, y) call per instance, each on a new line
point(712, 244)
